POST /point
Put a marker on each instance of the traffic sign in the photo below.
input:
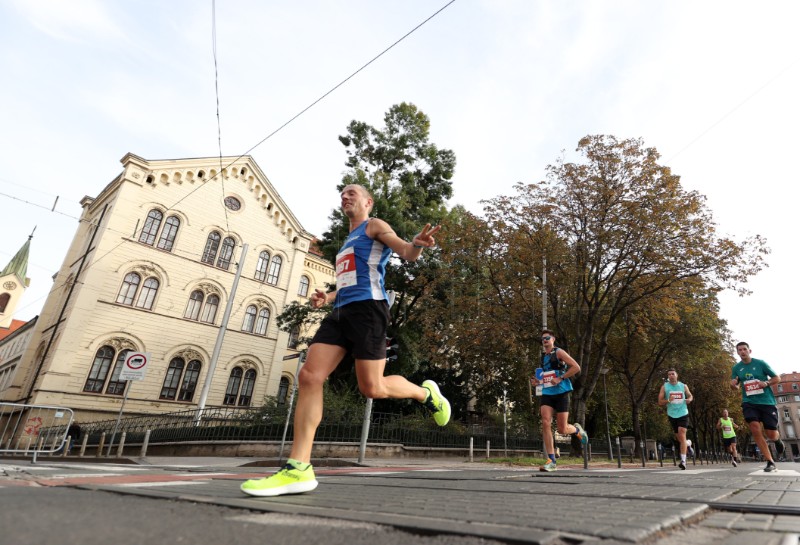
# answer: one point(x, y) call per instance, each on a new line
point(135, 366)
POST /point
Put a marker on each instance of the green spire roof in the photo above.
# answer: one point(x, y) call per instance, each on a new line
point(19, 263)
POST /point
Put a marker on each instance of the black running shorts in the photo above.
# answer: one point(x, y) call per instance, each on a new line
point(766, 414)
point(559, 402)
point(358, 327)
point(680, 422)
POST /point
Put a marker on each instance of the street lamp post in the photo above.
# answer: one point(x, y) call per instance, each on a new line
point(604, 371)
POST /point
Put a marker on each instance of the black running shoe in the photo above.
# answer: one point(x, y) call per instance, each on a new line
point(780, 448)
point(770, 467)
point(681, 465)
point(734, 462)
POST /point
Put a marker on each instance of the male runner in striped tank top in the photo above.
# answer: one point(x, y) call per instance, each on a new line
point(357, 324)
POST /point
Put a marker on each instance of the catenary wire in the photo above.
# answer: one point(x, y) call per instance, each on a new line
point(270, 135)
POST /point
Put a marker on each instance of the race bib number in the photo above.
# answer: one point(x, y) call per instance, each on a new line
point(346, 268)
point(752, 387)
point(727, 429)
point(547, 379)
point(676, 398)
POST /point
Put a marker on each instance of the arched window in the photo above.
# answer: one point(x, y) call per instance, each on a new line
point(247, 388)
point(261, 266)
point(151, 225)
point(130, 285)
point(4, 299)
point(116, 386)
point(168, 234)
point(262, 322)
point(185, 375)
point(128, 290)
point(303, 289)
point(283, 390)
point(197, 310)
point(210, 309)
point(225, 254)
point(274, 269)
point(249, 318)
point(232, 391)
point(148, 294)
point(195, 303)
point(99, 370)
point(212, 245)
point(189, 384)
point(98, 379)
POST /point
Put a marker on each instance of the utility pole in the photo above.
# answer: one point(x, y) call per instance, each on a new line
point(220, 336)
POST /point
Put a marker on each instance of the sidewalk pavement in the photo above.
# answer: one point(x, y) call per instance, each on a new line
point(709, 504)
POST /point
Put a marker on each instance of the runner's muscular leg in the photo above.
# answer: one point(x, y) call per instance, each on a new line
point(758, 436)
point(321, 360)
point(374, 385)
point(547, 432)
point(562, 424)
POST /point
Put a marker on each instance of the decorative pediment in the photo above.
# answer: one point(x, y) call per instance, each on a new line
point(120, 343)
point(189, 354)
point(147, 269)
point(243, 179)
point(208, 288)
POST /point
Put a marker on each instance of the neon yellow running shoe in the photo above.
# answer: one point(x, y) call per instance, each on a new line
point(289, 480)
point(437, 403)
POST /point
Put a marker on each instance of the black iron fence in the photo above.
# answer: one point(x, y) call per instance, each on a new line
point(243, 424)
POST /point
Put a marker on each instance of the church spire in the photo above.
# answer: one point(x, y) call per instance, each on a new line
point(19, 263)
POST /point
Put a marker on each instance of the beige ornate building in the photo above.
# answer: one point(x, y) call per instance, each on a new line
point(787, 395)
point(152, 269)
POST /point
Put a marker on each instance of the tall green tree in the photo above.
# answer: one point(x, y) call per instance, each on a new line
point(410, 179)
point(625, 231)
point(617, 232)
point(676, 327)
point(473, 325)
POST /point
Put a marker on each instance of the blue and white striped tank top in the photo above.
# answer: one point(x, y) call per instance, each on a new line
point(360, 268)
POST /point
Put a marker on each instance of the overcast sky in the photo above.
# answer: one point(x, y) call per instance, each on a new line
point(507, 85)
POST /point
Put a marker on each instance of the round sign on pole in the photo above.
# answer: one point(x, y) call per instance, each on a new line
point(135, 366)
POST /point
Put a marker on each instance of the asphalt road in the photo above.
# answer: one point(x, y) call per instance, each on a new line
point(198, 501)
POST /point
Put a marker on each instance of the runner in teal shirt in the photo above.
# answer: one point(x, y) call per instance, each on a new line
point(676, 396)
point(756, 378)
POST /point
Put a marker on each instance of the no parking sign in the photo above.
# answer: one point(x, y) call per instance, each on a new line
point(135, 366)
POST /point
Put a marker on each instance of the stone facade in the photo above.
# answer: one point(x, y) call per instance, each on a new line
point(787, 395)
point(151, 269)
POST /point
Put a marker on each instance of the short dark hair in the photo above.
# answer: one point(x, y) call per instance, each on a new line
point(742, 343)
point(672, 369)
point(548, 332)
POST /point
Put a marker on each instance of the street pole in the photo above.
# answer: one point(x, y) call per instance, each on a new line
point(544, 292)
point(505, 424)
point(201, 405)
point(604, 371)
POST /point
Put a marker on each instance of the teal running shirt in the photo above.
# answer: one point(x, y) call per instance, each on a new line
point(749, 374)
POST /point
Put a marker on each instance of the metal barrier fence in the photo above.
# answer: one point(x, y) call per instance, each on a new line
point(33, 429)
point(248, 424)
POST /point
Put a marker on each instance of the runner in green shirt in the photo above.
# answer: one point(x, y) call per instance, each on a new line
point(756, 379)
